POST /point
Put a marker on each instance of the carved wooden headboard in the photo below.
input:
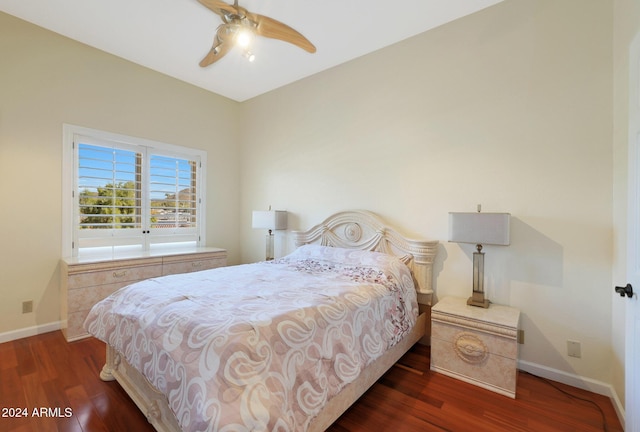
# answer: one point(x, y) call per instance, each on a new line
point(363, 230)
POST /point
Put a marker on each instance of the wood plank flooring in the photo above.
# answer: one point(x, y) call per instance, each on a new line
point(57, 384)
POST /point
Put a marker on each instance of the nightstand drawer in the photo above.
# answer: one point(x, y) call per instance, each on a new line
point(469, 340)
point(484, 369)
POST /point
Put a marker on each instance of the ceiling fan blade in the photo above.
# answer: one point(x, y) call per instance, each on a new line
point(219, 7)
point(268, 27)
point(215, 55)
point(218, 50)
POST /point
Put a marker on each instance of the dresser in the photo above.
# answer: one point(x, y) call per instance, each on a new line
point(476, 345)
point(84, 283)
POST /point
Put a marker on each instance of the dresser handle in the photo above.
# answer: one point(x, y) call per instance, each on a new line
point(197, 264)
point(116, 274)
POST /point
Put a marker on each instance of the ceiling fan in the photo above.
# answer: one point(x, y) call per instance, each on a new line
point(239, 26)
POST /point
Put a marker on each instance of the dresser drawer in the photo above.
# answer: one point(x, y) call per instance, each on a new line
point(84, 298)
point(73, 328)
point(176, 267)
point(113, 275)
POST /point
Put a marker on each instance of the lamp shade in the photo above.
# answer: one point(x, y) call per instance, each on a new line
point(269, 219)
point(479, 228)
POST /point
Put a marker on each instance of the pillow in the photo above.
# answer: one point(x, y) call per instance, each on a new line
point(380, 263)
point(344, 256)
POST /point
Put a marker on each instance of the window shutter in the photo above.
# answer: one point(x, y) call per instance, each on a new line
point(173, 198)
point(133, 196)
point(109, 188)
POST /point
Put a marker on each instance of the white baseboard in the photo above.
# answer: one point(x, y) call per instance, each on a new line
point(29, 331)
point(574, 380)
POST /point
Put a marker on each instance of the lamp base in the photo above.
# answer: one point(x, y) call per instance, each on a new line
point(477, 296)
point(269, 246)
point(479, 302)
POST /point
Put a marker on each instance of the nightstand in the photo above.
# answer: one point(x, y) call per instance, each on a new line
point(476, 345)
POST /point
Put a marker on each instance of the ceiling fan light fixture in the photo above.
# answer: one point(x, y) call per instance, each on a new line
point(249, 56)
point(244, 37)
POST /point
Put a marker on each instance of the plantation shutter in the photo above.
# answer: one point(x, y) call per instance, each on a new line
point(133, 196)
point(173, 198)
point(108, 194)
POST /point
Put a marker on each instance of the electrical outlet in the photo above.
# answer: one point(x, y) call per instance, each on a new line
point(27, 306)
point(573, 349)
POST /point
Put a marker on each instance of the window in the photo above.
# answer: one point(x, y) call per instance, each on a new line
point(125, 195)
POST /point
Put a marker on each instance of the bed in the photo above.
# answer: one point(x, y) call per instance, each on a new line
point(283, 345)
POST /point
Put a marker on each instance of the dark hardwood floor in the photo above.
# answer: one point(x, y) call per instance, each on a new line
point(54, 386)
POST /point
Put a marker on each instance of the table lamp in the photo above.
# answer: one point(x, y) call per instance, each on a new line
point(479, 228)
point(270, 220)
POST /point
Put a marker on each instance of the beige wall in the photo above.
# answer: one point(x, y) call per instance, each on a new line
point(47, 80)
point(510, 108)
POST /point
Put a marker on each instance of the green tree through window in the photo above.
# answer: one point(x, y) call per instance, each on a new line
point(112, 206)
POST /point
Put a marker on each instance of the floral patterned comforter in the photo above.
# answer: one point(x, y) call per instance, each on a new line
point(261, 346)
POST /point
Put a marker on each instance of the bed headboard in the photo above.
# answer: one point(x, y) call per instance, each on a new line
point(363, 230)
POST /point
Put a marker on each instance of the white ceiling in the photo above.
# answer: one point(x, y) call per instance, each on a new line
point(172, 36)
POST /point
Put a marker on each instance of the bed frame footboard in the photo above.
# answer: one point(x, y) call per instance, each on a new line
point(150, 401)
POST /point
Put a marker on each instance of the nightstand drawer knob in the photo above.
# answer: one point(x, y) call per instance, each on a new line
point(470, 348)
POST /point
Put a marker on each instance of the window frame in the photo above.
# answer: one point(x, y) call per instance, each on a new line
point(150, 239)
